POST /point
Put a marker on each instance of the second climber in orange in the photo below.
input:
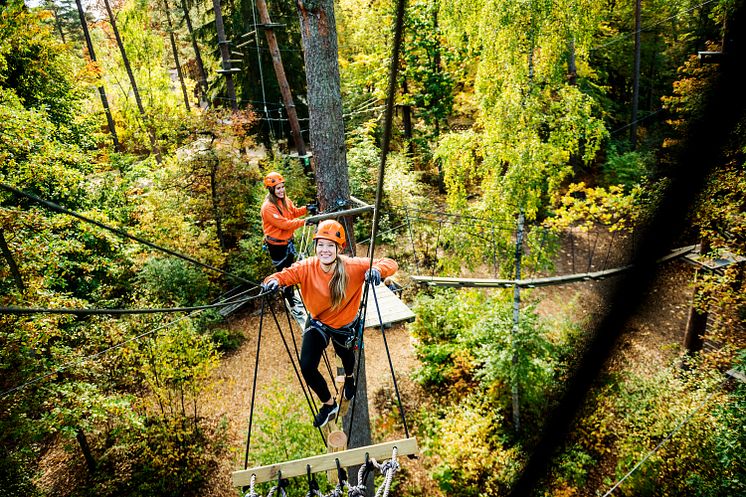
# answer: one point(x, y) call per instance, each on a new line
point(279, 222)
point(332, 287)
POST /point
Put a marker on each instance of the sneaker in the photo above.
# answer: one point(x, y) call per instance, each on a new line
point(349, 388)
point(326, 413)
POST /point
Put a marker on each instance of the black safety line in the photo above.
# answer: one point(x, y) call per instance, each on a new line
point(120, 232)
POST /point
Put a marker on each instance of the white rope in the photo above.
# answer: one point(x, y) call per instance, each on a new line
point(251, 492)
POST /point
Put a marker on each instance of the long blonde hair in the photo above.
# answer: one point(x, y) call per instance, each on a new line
point(338, 283)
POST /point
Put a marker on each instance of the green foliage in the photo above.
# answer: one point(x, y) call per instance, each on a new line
point(468, 457)
point(626, 168)
point(283, 431)
point(174, 281)
point(494, 344)
point(171, 457)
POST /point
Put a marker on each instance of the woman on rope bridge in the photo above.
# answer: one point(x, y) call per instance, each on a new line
point(332, 286)
point(279, 222)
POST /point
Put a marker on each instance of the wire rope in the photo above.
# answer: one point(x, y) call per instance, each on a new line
point(81, 360)
point(666, 439)
point(58, 208)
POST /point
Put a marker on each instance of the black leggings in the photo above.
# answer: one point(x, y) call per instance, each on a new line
point(282, 256)
point(314, 343)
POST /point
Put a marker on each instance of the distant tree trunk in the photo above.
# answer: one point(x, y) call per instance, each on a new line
point(197, 53)
point(131, 76)
point(406, 119)
point(52, 7)
point(101, 91)
point(11, 262)
point(636, 76)
point(572, 69)
point(87, 454)
point(176, 54)
point(696, 324)
point(215, 204)
point(225, 54)
point(282, 80)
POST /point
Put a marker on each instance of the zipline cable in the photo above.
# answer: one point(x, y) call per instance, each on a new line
point(81, 360)
point(116, 312)
point(121, 232)
point(253, 388)
point(666, 439)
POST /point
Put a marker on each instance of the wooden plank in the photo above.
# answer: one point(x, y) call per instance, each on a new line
point(537, 282)
point(324, 462)
point(393, 310)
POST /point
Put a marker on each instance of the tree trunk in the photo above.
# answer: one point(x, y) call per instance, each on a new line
point(696, 324)
point(572, 69)
point(225, 54)
point(87, 454)
point(101, 91)
point(636, 77)
point(319, 35)
point(282, 80)
point(406, 119)
point(11, 262)
point(52, 7)
point(176, 54)
point(197, 53)
point(215, 206)
point(133, 83)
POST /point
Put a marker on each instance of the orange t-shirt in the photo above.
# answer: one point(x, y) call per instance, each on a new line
point(314, 286)
point(280, 225)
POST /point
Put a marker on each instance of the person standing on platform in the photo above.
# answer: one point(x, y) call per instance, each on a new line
point(280, 219)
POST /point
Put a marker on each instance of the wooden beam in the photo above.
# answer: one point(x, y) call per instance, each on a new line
point(347, 212)
point(324, 462)
point(537, 282)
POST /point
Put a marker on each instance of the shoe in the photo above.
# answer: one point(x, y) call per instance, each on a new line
point(349, 388)
point(326, 413)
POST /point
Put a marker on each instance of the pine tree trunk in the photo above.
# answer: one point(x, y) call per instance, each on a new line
point(133, 83)
point(176, 55)
point(197, 53)
point(101, 91)
point(319, 34)
point(225, 54)
point(87, 454)
point(282, 80)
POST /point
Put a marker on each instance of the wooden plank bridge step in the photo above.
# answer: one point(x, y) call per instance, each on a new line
point(324, 462)
point(393, 310)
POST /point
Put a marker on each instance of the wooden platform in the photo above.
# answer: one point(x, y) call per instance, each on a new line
point(393, 310)
point(324, 462)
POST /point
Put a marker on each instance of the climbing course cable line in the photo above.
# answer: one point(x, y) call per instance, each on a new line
point(58, 208)
point(667, 438)
point(81, 360)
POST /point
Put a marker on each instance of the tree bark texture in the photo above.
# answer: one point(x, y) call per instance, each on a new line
point(133, 82)
point(282, 80)
point(197, 53)
point(101, 91)
point(175, 51)
point(225, 54)
point(319, 34)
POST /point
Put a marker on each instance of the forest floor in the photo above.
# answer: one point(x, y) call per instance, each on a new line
point(651, 340)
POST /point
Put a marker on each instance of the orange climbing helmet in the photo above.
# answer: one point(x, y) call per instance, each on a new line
point(273, 179)
point(331, 230)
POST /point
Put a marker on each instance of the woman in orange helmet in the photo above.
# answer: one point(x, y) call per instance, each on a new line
point(279, 222)
point(332, 286)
